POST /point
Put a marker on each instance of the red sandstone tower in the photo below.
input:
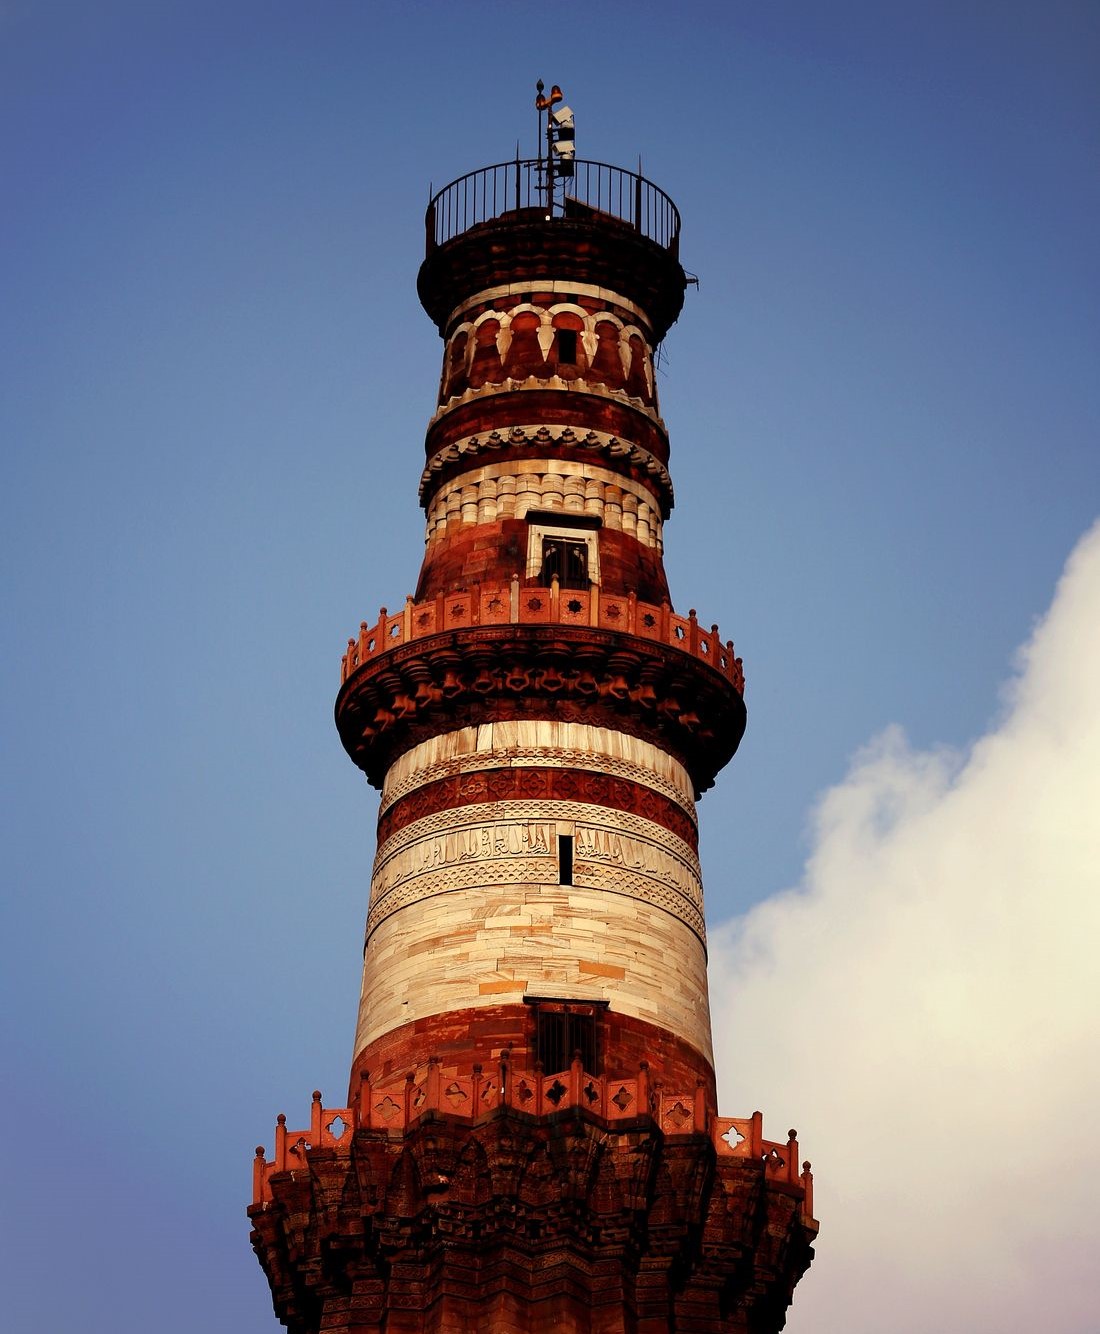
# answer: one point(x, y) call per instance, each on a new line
point(531, 1139)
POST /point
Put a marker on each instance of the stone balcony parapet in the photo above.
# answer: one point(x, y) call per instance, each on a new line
point(515, 603)
point(396, 1107)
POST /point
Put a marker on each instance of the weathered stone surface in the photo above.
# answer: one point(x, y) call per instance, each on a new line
point(559, 1223)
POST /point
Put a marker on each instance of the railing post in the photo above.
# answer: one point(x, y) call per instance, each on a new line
point(643, 1088)
point(364, 1099)
point(792, 1157)
point(258, 1166)
point(576, 1074)
point(638, 203)
point(700, 1107)
point(808, 1187)
point(517, 185)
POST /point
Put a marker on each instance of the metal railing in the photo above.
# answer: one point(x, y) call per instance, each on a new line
point(509, 187)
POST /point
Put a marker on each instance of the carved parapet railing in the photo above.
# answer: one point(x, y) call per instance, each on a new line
point(397, 1107)
point(744, 1138)
point(517, 604)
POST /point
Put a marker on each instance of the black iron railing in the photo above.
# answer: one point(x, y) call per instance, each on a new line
point(508, 187)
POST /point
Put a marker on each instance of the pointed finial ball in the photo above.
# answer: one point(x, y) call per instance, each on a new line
point(281, 1118)
point(259, 1150)
point(316, 1095)
point(792, 1134)
point(806, 1165)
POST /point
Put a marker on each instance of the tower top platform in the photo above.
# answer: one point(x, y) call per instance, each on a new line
point(509, 224)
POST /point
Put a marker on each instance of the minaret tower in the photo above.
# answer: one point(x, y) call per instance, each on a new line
point(531, 1140)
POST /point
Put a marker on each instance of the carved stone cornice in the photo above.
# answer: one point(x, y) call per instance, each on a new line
point(538, 442)
point(546, 783)
point(523, 248)
point(484, 674)
point(578, 389)
point(539, 1219)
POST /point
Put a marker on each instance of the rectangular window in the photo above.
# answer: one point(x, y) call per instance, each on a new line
point(563, 1029)
point(567, 346)
point(565, 859)
point(566, 559)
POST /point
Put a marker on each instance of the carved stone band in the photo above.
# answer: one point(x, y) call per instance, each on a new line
point(515, 842)
point(563, 287)
point(592, 443)
point(539, 742)
point(538, 783)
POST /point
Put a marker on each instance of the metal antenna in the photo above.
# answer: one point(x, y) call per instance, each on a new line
point(540, 103)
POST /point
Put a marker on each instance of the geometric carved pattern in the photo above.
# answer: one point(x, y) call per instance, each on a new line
point(564, 756)
point(471, 450)
point(568, 673)
point(588, 878)
point(521, 1222)
point(506, 784)
point(618, 853)
point(473, 306)
point(497, 829)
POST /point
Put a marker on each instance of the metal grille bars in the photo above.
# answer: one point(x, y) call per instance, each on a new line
point(509, 187)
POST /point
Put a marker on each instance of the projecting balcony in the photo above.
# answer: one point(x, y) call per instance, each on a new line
point(397, 1107)
point(516, 604)
point(508, 225)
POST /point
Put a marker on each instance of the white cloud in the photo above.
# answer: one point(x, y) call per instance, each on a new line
point(924, 1008)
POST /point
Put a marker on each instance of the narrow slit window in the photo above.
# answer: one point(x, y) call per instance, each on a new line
point(565, 859)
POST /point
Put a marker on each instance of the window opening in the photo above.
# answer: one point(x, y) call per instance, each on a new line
point(565, 859)
point(565, 559)
point(560, 1034)
point(567, 345)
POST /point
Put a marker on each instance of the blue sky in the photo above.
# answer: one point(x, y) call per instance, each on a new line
point(214, 382)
